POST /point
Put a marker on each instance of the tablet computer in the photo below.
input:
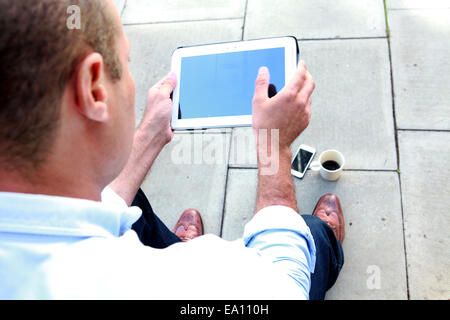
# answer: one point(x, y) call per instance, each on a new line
point(216, 82)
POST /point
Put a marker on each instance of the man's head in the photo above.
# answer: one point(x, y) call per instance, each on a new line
point(64, 91)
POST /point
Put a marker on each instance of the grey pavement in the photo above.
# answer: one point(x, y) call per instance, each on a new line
point(382, 98)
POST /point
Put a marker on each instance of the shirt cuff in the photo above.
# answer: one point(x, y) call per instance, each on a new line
point(280, 218)
point(109, 196)
point(129, 214)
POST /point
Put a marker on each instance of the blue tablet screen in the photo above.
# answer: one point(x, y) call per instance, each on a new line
point(220, 85)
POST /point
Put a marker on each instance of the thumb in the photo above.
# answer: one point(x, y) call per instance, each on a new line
point(169, 84)
point(262, 85)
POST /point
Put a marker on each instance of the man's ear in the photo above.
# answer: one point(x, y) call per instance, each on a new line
point(91, 95)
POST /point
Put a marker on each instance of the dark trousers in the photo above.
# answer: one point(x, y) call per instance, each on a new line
point(329, 255)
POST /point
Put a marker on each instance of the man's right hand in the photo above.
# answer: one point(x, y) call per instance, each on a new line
point(289, 110)
point(155, 124)
point(153, 134)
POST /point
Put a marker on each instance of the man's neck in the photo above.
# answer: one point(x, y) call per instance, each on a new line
point(49, 183)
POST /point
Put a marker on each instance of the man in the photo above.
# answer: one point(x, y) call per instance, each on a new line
point(67, 132)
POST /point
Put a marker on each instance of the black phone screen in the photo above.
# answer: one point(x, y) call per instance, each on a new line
point(301, 161)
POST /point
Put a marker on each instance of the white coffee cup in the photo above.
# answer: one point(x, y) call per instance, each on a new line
point(329, 173)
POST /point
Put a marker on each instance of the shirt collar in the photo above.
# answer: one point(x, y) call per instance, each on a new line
point(52, 215)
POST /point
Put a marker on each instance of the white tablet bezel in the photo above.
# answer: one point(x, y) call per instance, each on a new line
point(290, 45)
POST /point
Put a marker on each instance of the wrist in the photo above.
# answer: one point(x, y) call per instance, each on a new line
point(146, 148)
point(270, 153)
point(149, 138)
point(275, 185)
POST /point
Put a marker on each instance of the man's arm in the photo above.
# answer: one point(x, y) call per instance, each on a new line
point(276, 188)
point(153, 134)
point(277, 231)
point(277, 122)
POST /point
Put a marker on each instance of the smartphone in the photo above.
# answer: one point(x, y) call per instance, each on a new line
point(302, 159)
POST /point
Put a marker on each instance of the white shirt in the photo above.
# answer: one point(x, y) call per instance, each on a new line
point(65, 248)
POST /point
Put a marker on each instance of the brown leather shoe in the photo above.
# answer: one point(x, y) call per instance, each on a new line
point(328, 209)
point(189, 226)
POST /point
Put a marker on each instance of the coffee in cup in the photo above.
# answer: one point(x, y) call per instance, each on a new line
point(330, 165)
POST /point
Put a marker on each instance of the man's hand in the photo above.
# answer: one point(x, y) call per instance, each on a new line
point(153, 134)
point(288, 113)
point(289, 110)
point(158, 113)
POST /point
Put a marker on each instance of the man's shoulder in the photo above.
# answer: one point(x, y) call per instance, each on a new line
point(121, 267)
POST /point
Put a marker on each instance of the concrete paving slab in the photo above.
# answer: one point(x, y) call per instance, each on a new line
point(151, 11)
point(420, 46)
point(315, 19)
point(152, 46)
point(417, 4)
point(351, 109)
point(190, 173)
point(374, 241)
point(120, 5)
point(425, 193)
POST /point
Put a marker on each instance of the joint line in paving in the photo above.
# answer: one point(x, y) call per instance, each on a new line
point(225, 190)
point(123, 9)
point(342, 38)
point(396, 144)
point(425, 130)
point(180, 21)
point(245, 17)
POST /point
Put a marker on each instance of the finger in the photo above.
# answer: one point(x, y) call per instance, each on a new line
point(262, 85)
point(304, 96)
point(158, 85)
point(171, 134)
point(306, 112)
point(168, 85)
point(308, 105)
point(299, 78)
point(308, 86)
point(154, 90)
